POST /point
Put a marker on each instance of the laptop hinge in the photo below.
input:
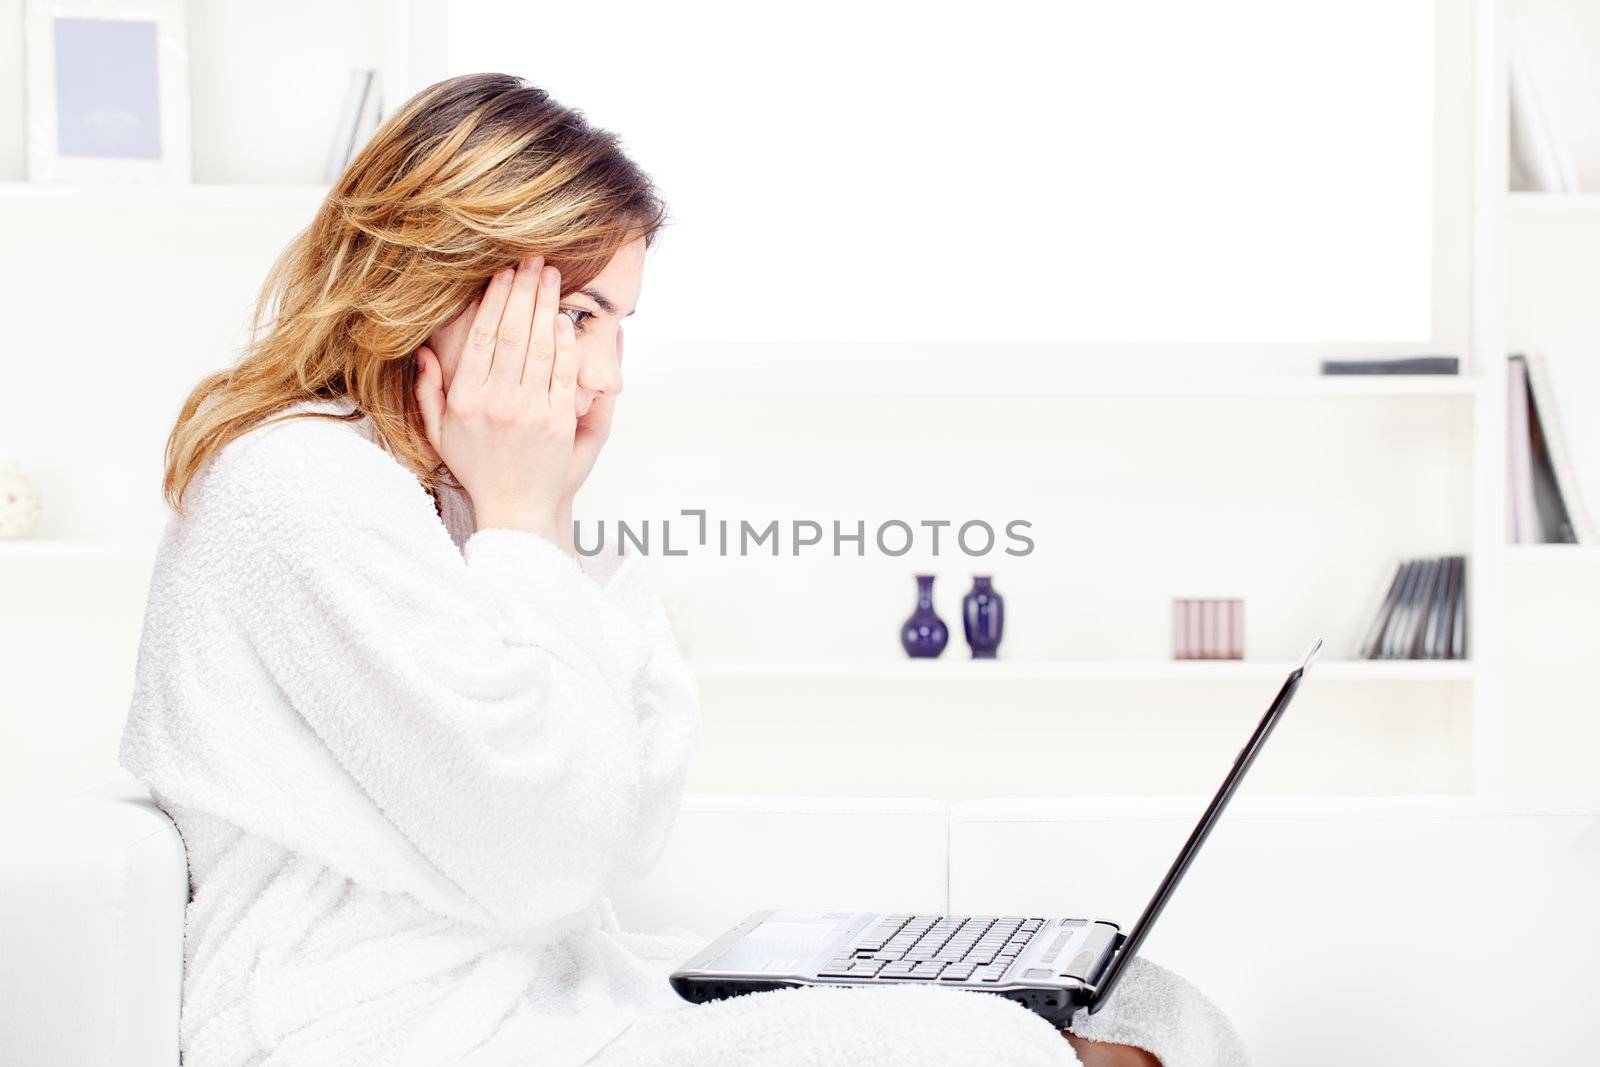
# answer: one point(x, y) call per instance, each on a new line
point(1093, 1003)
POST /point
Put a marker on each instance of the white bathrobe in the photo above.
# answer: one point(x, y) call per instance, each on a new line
point(409, 759)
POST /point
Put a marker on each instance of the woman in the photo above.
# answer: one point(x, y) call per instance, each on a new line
point(410, 738)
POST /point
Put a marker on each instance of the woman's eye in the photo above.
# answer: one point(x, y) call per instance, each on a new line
point(577, 323)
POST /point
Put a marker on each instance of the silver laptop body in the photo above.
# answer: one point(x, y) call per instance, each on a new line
point(1054, 966)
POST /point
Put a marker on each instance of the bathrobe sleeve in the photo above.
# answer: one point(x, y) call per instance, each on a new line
point(514, 723)
point(666, 704)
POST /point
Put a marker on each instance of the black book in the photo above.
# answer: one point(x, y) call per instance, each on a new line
point(1548, 502)
point(1405, 365)
point(1417, 616)
point(1395, 629)
point(1374, 639)
point(1428, 645)
point(1458, 632)
point(1444, 616)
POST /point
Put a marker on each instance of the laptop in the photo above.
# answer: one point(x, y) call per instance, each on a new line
point(1054, 966)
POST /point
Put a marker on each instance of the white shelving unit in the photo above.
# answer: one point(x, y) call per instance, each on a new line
point(887, 376)
point(265, 90)
point(1442, 437)
point(73, 549)
point(232, 197)
point(1554, 555)
point(941, 672)
point(1558, 204)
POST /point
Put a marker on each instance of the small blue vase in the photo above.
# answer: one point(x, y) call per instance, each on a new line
point(924, 635)
point(983, 617)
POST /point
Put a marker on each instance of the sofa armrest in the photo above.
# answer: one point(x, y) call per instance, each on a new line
point(91, 932)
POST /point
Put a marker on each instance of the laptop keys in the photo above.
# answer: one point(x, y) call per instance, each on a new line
point(949, 948)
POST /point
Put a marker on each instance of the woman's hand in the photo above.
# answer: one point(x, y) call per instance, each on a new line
point(506, 428)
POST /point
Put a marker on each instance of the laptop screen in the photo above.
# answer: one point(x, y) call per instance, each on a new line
point(1202, 830)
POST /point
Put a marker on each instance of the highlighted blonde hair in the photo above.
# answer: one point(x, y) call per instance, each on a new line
point(468, 177)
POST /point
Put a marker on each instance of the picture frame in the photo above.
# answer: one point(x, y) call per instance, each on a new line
point(107, 91)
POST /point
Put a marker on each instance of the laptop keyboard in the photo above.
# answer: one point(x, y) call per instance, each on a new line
point(946, 948)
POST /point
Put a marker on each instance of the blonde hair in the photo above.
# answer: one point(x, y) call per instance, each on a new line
point(469, 176)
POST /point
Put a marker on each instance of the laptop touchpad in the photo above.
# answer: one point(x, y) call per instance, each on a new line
point(781, 944)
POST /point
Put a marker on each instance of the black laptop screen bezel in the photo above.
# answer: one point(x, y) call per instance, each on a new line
point(1191, 848)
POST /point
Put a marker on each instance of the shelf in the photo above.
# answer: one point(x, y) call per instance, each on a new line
point(74, 197)
point(1581, 555)
point(1552, 205)
point(967, 670)
point(895, 378)
point(76, 549)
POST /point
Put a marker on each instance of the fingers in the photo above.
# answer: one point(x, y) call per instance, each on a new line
point(430, 395)
point(542, 352)
point(564, 373)
point(477, 355)
point(516, 324)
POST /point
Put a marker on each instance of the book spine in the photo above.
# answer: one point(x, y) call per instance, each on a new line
point(1522, 514)
point(1395, 628)
point(1374, 639)
point(1412, 646)
point(1557, 452)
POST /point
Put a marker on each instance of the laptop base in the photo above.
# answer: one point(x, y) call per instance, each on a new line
point(1047, 965)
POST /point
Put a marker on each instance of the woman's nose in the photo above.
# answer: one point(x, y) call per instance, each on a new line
point(605, 378)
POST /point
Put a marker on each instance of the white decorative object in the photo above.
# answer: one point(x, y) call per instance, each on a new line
point(108, 91)
point(19, 502)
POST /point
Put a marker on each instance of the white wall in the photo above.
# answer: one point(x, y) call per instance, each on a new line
point(1071, 172)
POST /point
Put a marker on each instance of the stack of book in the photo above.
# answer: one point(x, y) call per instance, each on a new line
point(1424, 614)
point(1543, 505)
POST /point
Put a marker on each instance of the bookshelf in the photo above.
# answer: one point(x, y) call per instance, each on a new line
point(74, 549)
point(1364, 471)
point(228, 196)
point(885, 375)
point(1557, 204)
point(1000, 672)
point(1559, 555)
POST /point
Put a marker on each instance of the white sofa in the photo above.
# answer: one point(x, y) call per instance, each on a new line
point(1334, 931)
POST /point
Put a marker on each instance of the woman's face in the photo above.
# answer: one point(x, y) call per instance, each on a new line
point(596, 310)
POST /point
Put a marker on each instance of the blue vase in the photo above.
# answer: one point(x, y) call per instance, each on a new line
point(983, 617)
point(924, 635)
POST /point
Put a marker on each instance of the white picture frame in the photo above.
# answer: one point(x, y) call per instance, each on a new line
point(107, 91)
